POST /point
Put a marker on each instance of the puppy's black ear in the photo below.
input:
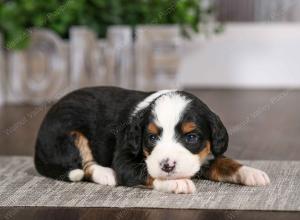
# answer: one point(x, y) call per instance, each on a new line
point(134, 135)
point(219, 135)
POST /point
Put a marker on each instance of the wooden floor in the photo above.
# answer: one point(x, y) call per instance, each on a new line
point(263, 125)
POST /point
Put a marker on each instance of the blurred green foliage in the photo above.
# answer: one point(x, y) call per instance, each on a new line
point(17, 17)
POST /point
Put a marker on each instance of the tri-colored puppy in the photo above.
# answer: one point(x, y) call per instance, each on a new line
point(161, 140)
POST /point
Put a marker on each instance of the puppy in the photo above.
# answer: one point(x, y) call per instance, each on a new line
point(112, 136)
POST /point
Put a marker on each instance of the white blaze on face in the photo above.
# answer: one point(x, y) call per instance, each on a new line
point(168, 110)
point(147, 101)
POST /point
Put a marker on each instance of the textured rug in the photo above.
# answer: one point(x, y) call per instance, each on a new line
point(20, 185)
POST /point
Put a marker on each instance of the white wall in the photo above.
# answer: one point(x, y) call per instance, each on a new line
point(245, 55)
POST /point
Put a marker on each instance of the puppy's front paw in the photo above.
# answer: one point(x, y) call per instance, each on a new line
point(253, 177)
point(103, 175)
point(175, 186)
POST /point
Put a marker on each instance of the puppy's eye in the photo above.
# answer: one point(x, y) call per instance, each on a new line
point(191, 138)
point(152, 137)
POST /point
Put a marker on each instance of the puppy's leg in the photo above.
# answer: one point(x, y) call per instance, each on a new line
point(224, 169)
point(131, 170)
point(92, 171)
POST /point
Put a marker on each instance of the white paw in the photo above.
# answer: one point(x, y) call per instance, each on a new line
point(175, 186)
point(76, 175)
point(103, 175)
point(253, 177)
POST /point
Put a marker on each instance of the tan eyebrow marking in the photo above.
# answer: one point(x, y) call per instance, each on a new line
point(152, 128)
point(187, 127)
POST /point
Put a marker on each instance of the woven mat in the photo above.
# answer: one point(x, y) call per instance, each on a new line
point(20, 185)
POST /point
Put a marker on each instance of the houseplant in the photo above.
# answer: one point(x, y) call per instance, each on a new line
point(19, 16)
point(83, 57)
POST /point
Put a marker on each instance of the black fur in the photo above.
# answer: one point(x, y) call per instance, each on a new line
point(103, 116)
point(217, 131)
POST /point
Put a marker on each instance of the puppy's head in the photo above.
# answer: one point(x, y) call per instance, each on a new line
point(176, 135)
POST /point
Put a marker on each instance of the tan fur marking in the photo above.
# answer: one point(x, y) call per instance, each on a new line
point(187, 127)
point(222, 168)
point(149, 182)
point(82, 144)
point(152, 128)
point(205, 152)
point(146, 153)
point(88, 172)
point(88, 164)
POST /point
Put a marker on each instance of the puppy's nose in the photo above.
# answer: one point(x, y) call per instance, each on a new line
point(167, 166)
